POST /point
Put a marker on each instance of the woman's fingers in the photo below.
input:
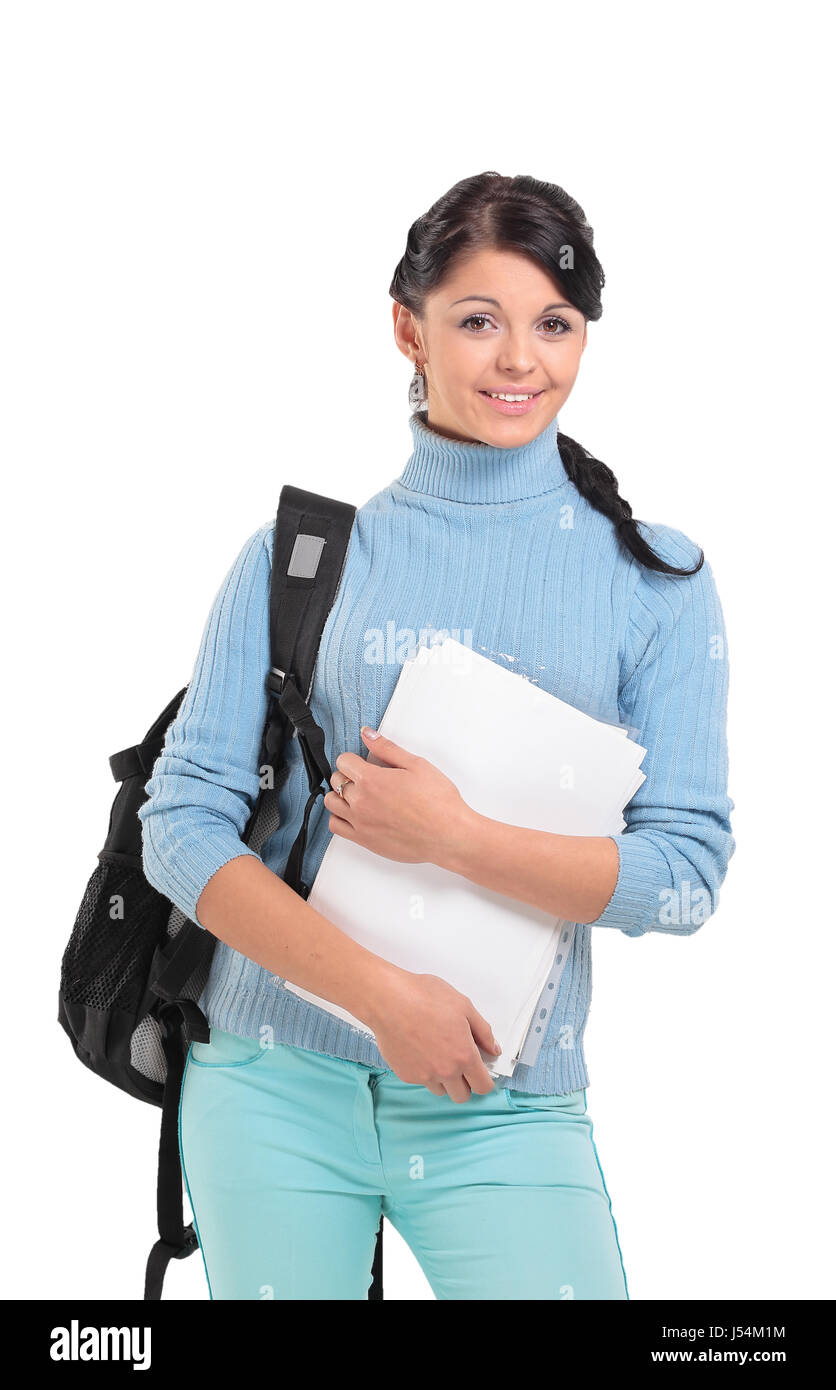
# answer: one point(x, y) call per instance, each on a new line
point(340, 779)
point(474, 1077)
point(479, 1078)
point(482, 1031)
point(337, 805)
point(458, 1090)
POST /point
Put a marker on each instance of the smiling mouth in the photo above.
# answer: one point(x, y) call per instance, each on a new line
point(512, 396)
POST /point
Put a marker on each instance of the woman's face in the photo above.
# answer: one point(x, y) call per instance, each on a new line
point(497, 324)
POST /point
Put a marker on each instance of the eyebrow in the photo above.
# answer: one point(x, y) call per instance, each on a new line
point(484, 299)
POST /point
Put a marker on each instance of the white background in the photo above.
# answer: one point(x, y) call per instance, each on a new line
point(204, 205)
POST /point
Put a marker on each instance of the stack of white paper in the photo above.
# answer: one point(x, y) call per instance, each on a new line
point(517, 754)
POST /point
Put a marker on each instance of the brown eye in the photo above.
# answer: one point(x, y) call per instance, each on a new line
point(564, 327)
point(475, 318)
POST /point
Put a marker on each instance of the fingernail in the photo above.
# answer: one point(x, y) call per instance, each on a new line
point(370, 733)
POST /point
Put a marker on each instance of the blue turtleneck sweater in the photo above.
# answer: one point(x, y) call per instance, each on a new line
point(469, 536)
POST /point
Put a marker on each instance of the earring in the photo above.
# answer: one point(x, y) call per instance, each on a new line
point(417, 389)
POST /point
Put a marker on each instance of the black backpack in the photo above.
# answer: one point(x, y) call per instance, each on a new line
point(135, 965)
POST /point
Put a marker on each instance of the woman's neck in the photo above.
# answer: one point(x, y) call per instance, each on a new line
point(477, 472)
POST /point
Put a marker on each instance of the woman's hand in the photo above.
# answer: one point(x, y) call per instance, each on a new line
point(408, 810)
point(430, 1034)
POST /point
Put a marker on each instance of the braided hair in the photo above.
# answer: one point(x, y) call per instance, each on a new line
point(539, 220)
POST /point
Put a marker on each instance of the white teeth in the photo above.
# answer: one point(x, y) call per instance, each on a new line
point(501, 396)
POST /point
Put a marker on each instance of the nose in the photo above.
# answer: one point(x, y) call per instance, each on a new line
point(516, 357)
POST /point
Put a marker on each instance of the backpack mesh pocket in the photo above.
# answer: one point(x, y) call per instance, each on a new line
point(118, 926)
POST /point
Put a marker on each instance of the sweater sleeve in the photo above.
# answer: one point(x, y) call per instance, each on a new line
point(205, 782)
point(677, 842)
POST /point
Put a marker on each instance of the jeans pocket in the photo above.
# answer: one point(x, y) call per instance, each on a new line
point(226, 1050)
point(569, 1102)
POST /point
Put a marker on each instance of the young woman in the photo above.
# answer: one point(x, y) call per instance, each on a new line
point(296, 1130)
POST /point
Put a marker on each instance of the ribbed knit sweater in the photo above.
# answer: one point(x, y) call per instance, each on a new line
point(496, 547)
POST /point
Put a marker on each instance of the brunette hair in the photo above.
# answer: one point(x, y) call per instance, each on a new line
point(542, 221)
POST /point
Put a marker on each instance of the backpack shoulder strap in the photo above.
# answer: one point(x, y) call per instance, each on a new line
point(310, 545)
point(309, 549)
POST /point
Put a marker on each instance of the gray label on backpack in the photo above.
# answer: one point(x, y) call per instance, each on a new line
point(304, 560)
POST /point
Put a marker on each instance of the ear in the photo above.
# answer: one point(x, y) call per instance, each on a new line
point(404, 326)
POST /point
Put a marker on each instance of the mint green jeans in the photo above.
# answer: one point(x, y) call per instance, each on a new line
point(291, 1156)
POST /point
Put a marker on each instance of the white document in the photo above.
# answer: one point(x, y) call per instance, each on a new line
point(517, 754)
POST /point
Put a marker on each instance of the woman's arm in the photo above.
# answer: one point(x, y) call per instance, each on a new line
point(202, 790)
point(254, 911)
point(427, 1031)
point(569, 876)
point(664, 871)
point(409, 810)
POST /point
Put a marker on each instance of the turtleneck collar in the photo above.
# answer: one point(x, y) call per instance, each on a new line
point(477, 472)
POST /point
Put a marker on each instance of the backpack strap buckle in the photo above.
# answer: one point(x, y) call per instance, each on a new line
point(190, 1243)
point(275, 681)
